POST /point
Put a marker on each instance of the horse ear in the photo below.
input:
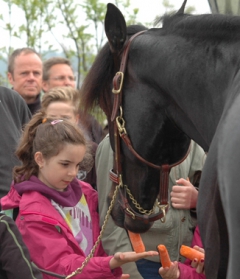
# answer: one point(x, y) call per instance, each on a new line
point(115, 28)
point(181, 10)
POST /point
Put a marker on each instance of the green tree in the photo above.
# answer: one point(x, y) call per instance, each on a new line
point(33, 28)
point(95, 13)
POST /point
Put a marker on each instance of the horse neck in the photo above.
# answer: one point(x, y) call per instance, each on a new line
point(196, 80)
point(197, 111)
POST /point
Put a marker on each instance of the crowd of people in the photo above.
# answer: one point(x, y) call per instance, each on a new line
point(54, 183)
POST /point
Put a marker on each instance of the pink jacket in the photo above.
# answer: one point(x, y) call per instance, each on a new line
point(50, 241)
point(186, 271)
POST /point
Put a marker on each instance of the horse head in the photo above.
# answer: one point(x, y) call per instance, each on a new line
point(154, 138)
point(184, 76)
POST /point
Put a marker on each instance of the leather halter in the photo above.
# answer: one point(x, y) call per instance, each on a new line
point(120, 132)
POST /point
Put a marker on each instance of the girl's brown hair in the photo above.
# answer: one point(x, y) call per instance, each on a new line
point(48, 138)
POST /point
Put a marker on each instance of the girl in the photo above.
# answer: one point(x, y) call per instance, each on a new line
point(58, 216)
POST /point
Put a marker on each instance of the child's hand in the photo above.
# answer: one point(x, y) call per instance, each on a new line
point(184, 197)
point(199, 265)
point(171, 272)
point(121, 258)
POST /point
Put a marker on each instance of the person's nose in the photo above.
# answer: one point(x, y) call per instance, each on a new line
point(73, 171)
point(31, 76)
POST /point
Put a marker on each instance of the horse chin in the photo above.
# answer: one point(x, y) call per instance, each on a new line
point(137, 226)
point(118, 215)
point(124, 221)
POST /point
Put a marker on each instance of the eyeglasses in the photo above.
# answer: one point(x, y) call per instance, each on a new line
point(82, 174)
point(63, 78)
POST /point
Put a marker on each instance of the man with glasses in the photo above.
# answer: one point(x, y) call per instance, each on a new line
point(57, 71)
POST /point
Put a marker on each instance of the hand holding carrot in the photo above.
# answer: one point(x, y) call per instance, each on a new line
point(171, 272)
point(191, 253)
point(126, 257)
point(168, 270)
point(198, 262)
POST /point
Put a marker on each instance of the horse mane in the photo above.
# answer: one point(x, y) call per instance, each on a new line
point(214, 27)
point(95, 88)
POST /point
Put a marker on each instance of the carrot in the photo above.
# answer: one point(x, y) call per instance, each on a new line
point(164, 257)
point(136, 241)
point(191, 253)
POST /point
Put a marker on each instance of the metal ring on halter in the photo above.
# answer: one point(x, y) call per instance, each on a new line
point(121, 125)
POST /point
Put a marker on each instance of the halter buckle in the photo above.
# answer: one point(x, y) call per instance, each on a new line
point(118, 75)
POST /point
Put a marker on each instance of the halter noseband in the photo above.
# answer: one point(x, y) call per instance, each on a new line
point(120, 132)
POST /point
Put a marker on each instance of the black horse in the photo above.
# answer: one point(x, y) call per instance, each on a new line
point(181, 81)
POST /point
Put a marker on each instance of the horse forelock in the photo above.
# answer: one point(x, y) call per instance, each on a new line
point(96, 87)
point(214, 27)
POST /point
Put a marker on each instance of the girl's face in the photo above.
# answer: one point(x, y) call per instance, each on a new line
point(61, 110)
point(58, 171)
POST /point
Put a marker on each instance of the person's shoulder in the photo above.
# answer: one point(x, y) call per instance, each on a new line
point(3, 216)
point(104, 147)
point(15, 107)
point(6, 92)
point(10, 95)
point(105, 141)
point(196, 149)
point(6, 220)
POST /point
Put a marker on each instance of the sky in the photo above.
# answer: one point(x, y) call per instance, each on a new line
point(149, 9)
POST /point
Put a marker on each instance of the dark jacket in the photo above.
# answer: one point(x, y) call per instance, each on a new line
point(14, 114)
point(14, 256)
point(91, 127)
point(36, 105)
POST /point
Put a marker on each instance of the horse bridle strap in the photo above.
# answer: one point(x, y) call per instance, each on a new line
point(120, 132)
point(119, 77)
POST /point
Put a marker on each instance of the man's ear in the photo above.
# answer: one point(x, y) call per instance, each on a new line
point(45, 86)
point(10, 78)
point(38, 157)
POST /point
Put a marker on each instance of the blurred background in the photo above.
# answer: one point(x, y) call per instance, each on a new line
point(74, 29)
